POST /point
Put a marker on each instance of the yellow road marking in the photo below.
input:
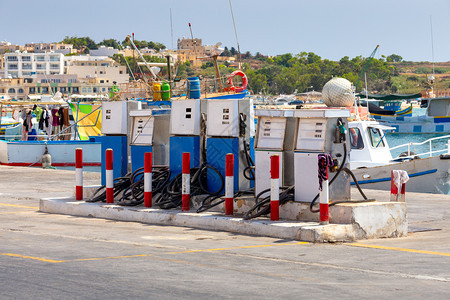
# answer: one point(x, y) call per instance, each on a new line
point(399, 249)
point(32, 257)
point(146, 255)
point(241, 247)
point(15, 205)
point(14, 212)
point(110, 257)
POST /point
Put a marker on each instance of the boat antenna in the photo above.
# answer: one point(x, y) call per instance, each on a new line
point(432, 43)
point(171, 27)
point(235, 32)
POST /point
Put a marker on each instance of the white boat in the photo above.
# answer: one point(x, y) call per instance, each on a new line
point(371, 161)
point(29, 153)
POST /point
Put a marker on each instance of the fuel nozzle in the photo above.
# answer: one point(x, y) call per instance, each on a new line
point(340, 131)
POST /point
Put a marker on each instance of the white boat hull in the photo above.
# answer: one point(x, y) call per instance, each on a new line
point(427, 175)
point(62, 153)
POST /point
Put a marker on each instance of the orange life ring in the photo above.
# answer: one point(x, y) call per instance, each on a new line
point(244, 81)
point(4, 113)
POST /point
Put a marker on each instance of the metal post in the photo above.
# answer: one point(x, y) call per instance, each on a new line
point(109, 176)
point(229, 184)
point(274, 188)
point(148, 179)
point(324, 202)
point(79, 174)
point(186, 182)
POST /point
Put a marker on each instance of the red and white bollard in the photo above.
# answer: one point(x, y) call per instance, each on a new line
point(394, 190)
point(229, 184)
point(186, 182)
point(324, 202)
point(274, 188)
point(109, 176)
point(79, 174)
point(148, 179)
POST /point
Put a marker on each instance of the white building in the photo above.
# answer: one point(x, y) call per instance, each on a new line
point(102, 68)
point(50, 47)
point(22, 64)
point(104, 51)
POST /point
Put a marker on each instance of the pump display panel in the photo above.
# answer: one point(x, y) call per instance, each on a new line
point(142, 133)
point(271, 132)
point(311, 134)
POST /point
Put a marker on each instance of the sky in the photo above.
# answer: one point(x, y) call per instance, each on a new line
point(330, 28)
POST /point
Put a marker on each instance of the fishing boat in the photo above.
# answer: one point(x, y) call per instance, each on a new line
point(81, 132)
point(434, 118)
point(371, 160)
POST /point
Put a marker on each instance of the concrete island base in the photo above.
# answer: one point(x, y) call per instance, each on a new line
point(349, 222)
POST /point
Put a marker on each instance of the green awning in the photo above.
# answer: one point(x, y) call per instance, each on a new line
point(389, 97)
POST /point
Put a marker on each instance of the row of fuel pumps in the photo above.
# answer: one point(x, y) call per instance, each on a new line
point(210, 129)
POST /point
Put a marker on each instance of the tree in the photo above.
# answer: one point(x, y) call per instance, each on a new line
point(109, 43)
point(233, 51)
point(82, 43)
point(394, 58)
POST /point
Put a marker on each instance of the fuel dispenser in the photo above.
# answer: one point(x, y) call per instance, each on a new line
point(185, 133)
point(149, 133)
point(230, 129)
point(115, 124)
point(274, 136)
point(320, 131)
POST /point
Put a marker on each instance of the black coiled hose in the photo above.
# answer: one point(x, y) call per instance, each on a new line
point(170, 195)
point(262, 207)
point(134, 194)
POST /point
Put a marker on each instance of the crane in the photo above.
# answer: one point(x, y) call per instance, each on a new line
point(139, 52)
point(366, 66)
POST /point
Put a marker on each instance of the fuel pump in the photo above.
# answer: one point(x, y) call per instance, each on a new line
point(230, 129)
point(149, 133)
point(185, 133)
point(320, 131)
point(274, 136)
point(115, 125)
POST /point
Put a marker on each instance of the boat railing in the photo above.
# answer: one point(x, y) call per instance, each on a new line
point(430, 153)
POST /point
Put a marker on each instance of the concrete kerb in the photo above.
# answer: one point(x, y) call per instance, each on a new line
point(284, 229)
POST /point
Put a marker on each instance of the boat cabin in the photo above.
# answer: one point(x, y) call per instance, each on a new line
point(438, 107)
point(368, 144)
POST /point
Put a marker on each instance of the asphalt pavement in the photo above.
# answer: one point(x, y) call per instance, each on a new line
point(65, 257)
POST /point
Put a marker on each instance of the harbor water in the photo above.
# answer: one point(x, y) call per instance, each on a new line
point(396, 139)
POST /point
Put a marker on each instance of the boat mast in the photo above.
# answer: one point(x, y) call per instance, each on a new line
point(432, 55)
point(235, 32)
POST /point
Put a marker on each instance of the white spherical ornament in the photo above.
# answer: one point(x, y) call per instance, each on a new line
point(338, 92)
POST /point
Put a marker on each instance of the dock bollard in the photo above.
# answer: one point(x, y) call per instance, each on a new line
point(148, 179)
point(229, 184)
point(186, 182)
point(324, 202)
point(274, 188)
point(79, 174)
point(394, 190)
point(109, 176)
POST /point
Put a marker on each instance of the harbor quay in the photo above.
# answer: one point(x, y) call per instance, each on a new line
point(46, 254)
